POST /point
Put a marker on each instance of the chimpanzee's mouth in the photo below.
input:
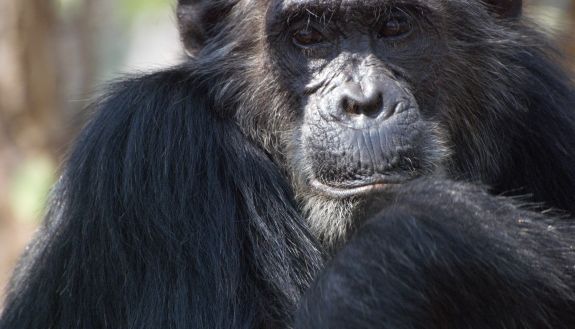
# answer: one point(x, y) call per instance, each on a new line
point(357, 187)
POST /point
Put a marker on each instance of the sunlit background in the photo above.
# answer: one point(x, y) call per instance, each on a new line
point(54, 55)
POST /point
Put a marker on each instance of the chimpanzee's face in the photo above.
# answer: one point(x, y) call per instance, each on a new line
point(356, 67)
point(361, 72)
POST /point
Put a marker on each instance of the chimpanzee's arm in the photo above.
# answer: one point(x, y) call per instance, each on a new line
point(448, 255)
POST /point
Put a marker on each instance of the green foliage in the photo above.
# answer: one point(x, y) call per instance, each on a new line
point(29, 188)
point(127, 9)
point(131, 8)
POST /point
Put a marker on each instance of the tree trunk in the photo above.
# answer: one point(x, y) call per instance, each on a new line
point(29, 84)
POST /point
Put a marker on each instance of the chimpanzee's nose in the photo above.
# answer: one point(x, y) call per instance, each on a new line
point(365, 101)
point(356, 101)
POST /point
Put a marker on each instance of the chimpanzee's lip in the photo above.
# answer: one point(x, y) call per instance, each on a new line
point(356, 188)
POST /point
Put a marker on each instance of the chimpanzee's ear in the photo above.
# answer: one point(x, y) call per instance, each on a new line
point(198, 20)
point(505, 8)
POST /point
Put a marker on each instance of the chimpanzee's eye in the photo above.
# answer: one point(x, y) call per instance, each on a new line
point(395, 27)
point(308, 37)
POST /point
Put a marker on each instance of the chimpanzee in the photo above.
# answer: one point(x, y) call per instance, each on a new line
point(212, 194)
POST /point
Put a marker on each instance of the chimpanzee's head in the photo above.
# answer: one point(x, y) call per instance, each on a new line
point(352, 97)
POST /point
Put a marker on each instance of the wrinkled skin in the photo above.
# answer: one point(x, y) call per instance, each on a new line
point(362, 124)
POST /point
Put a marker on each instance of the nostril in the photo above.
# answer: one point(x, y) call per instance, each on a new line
point(350, 106)
point(374, 107)
point(368, 107)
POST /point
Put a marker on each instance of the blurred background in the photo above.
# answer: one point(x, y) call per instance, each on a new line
point(55, 54)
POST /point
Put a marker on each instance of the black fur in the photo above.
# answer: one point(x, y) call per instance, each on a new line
point(166, 217)
point(185, 204)
point(447, 255)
